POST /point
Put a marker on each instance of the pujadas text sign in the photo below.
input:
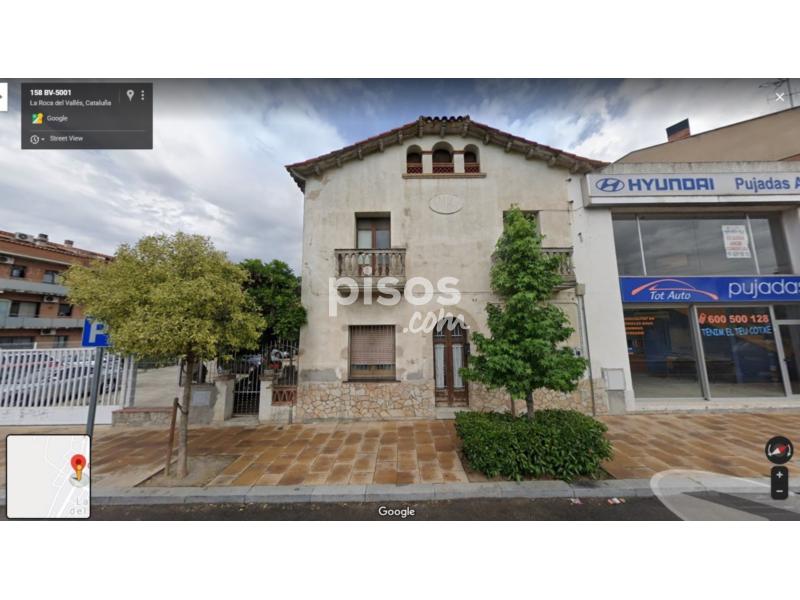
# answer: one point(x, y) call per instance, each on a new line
point(692, 184)
point(768, 288)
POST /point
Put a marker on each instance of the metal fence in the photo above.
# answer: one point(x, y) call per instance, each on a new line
point(284, 362)
point(247, 368)
point(52, 386)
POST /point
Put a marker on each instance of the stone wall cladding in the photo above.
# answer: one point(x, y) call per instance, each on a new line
point(365, 400)
point(484, 399)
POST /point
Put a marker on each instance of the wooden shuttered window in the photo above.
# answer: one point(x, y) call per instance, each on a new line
point(372, 351)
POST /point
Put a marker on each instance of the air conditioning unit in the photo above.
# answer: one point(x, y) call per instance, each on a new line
point(25, 237)
point(6, 260)
point(50, 299)
point(47, 332)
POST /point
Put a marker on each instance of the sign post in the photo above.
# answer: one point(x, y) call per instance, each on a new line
point(95, 336)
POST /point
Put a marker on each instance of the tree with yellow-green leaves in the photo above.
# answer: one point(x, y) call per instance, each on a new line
point(170, 296)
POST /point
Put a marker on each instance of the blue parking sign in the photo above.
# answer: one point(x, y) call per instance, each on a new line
point(95, 334)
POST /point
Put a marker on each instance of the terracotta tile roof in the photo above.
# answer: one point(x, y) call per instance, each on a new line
point(10, 237)
point(426, 125)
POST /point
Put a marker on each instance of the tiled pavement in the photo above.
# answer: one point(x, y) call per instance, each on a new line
point(313, 454)
point(424, 451)
point(727, 443)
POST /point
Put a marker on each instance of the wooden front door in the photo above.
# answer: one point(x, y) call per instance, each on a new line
point(449, 355)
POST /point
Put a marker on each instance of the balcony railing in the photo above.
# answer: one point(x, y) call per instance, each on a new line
point(414, 168)
point(360, 264)
point(565, 267)
point(27, 286)
point(40, 323)
point(443, 167)
point(472, 167)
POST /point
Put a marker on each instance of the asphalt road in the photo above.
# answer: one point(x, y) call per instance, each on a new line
point(555, 509)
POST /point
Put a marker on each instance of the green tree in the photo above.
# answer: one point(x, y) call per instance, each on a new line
point(276, 291)
point(170, 296)
point(525, 351)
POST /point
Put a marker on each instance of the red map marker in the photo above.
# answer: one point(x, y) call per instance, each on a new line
point(78, 463)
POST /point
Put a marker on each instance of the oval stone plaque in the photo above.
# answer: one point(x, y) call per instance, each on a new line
point(445, 204)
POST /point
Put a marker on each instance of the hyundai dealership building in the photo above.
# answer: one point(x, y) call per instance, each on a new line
point(691, 283)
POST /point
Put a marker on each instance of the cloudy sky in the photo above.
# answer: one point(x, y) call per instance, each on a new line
point(219, 148)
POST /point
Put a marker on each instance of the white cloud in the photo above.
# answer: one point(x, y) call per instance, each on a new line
point(606, 121)
point(216, 168)
point(220, 146)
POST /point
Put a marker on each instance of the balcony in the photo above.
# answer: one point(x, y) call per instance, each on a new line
point(367, 267)
point(565, 267)
point(472, 167)
point(40, 323)
point(32, 287)
point(443, 167)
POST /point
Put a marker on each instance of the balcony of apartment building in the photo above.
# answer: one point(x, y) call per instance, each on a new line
point(50, 313)
point(373, 261)
point(565, 266)
point(370, 267)
point(24, 279)
point(9, 322)
point(26, 286)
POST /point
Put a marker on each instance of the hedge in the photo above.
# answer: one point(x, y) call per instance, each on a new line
point(563, 444)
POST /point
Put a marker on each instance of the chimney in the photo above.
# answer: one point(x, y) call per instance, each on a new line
point(678, 131)
point(69, 243)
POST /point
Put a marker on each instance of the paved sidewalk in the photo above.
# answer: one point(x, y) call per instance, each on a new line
point(358, 453)
point(726, 443)
point(419, 452)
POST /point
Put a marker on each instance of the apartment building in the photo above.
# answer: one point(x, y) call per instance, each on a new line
point(34, 311)
point(398, 235)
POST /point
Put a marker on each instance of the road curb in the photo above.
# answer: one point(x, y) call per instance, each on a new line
point(281, 494)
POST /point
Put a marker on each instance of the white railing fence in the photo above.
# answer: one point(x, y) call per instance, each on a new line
point(52, 386)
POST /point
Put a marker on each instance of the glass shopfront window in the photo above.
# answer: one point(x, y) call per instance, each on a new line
point(711, 244)
point(741, 356)
point(661, 353)
point(626, 243)
point(696, 246)
point(790, 340)
point(770, 243)
point(714, 352)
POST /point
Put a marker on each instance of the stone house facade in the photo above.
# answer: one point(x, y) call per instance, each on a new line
point(398, 235)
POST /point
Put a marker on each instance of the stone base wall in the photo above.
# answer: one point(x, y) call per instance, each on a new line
point(484, 399)
point(367, 400)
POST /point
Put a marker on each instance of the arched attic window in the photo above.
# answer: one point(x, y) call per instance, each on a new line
point(471, 162)
point(443, 158)
point(414, 160)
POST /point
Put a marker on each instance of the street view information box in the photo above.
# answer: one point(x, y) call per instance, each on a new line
point(48, 476)
point(86, 116)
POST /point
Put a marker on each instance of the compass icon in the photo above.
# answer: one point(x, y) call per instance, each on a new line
point(779, 450)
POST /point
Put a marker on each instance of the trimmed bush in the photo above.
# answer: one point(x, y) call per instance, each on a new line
point(563, 444)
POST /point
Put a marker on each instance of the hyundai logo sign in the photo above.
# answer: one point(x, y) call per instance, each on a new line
point(614, 188)
point(610, 184)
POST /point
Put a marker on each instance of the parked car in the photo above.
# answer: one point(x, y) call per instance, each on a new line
point(55, 385)
point(24, 362)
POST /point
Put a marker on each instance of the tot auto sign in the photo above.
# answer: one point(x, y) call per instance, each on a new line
point(609, 189)
point(774, 288)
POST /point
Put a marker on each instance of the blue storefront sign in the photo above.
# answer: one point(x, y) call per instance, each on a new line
point(767, 288)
